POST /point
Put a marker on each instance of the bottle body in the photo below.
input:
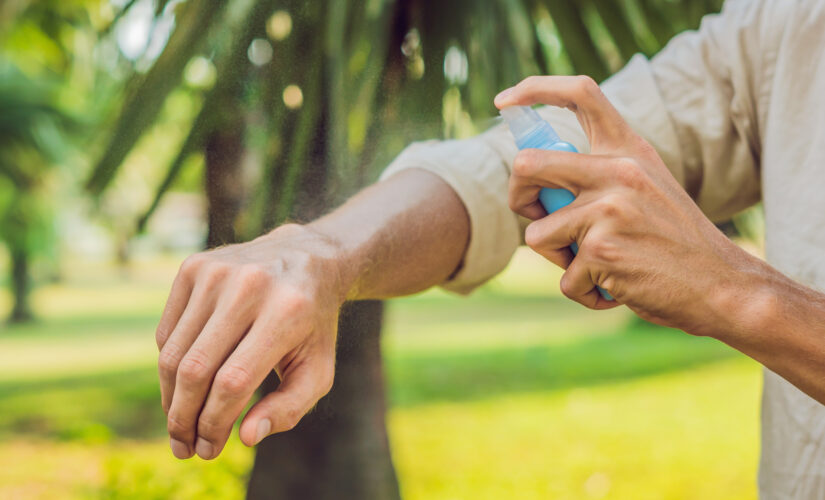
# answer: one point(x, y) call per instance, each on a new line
point(551, 199)
point(544, 137)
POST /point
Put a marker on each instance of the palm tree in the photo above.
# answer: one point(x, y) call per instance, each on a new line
point(28, 147)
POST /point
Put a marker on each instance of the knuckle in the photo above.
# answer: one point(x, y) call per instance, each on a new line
point(326, 378)
point(213, 274)
point(565, 286)
point(533, 236)
point(161, 336)
point(210, 429)
point(524, 162)
point(601, 249)
point(192, 264)
point(295, 302)
point(177, 428)
point(252, 276)
point(531, 82)
point(629, 173)
point(233, 379)
point(290, 418)
point(513, 202)
point(587, 86)
point(194, 367)
point(169, 359)
point(611, 206)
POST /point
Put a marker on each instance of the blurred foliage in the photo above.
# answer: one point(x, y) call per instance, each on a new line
point(30, 143)
point(319, 95)
point(371, 75)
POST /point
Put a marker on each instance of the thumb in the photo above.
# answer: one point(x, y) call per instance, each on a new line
point(281, 410)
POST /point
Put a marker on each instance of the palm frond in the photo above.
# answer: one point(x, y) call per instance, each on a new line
point(143, 104)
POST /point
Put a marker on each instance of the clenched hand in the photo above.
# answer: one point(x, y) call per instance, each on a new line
point(640, 235)
point(236, 313)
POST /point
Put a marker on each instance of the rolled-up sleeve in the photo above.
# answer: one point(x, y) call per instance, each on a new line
point(694, 102)
point(479, 176)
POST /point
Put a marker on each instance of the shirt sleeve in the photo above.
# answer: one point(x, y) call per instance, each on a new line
point(694, 102)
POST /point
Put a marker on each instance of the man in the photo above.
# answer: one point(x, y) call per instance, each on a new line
point(722, 116)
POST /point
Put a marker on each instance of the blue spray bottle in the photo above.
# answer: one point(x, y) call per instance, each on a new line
point(532, 132)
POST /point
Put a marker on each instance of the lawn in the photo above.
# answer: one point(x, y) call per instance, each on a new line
point(514, 392)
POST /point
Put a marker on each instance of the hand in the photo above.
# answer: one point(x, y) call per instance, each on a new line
point(640, 235)
point(236, 313)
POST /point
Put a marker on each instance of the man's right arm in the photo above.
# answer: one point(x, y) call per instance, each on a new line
point(237, 312)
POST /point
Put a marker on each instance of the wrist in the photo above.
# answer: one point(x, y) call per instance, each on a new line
point(344, 261)
point(744, 302)
point(326, 255)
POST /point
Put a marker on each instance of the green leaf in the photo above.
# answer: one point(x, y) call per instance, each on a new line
point(619, 27)
point(577, 39)
point(143, 104)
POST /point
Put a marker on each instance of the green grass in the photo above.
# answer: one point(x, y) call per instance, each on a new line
point(513, 392)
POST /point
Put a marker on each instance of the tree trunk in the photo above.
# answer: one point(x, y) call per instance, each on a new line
point(340, 449)
point(20, 286)
point(224, 182)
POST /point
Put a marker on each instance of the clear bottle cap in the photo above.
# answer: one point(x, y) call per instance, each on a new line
point(523, 120)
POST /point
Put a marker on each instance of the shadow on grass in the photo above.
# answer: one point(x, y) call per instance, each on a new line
point(639, 350)
point(126, 404)
point(87, 407)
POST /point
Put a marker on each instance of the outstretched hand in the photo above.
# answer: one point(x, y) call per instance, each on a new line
point(236, 313)
point(640, 235)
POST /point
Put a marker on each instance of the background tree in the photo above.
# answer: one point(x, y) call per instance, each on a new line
point(309, 100)
point(48, 81)
point(29, 145)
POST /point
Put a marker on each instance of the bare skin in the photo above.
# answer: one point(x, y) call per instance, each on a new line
point(644, 240)
point(237, 312)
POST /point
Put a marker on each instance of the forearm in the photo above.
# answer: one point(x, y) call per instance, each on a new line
point(782, 326)
point(399, 236)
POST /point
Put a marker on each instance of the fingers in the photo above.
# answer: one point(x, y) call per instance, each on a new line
point(603, 125)
point(577, 284)
point(279, 411)
point(234, 384)
point(534, 169)
point(197, 369)
point(192, 321)
point(266, 346)
point(175, 305)
point(552, 236)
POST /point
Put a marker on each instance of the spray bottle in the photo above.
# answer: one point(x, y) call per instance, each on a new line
point(532, 132)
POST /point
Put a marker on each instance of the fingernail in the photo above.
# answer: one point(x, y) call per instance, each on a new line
point(501, 95)
point(204, 449)
point(179, 449)
point(263, 430)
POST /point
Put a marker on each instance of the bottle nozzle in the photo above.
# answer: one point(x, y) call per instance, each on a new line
point(523, 120)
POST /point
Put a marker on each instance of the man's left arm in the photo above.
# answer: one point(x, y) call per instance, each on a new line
point(642, 238)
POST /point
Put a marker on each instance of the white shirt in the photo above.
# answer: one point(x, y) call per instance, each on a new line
point(737, 112)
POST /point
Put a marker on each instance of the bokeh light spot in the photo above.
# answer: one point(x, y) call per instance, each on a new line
point(279, 25)
point(293, 97)
point(455, 65)
point(200, 73)
point(259, 52)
